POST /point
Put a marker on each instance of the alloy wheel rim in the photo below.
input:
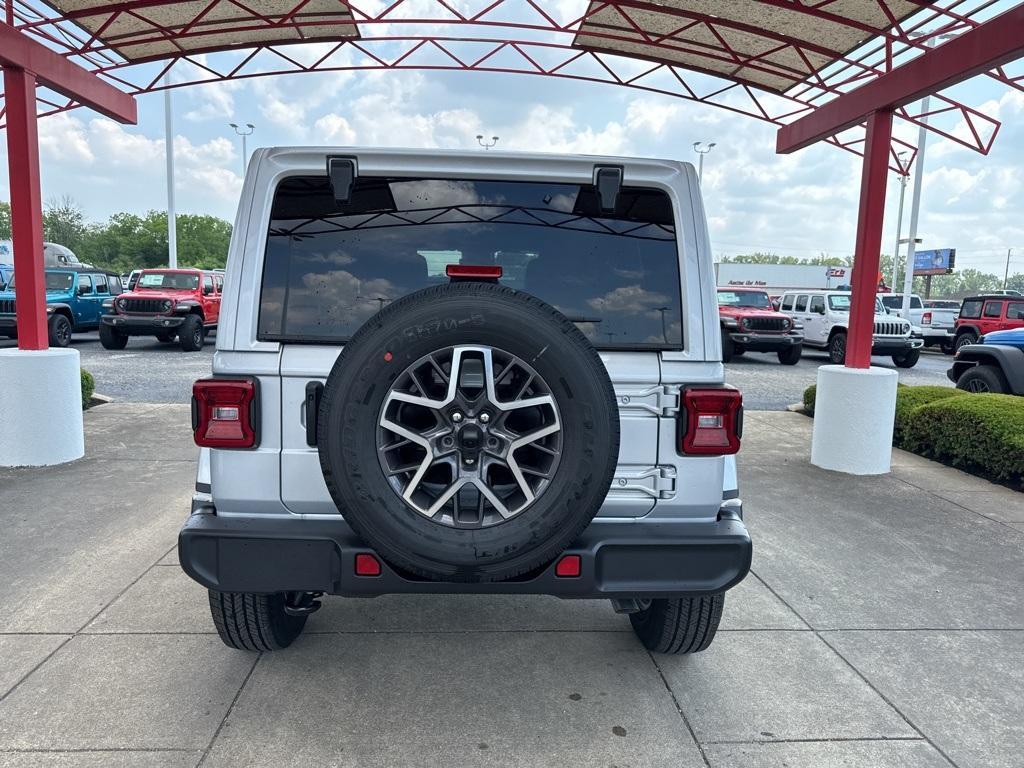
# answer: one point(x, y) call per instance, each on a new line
point(469, 436)
point(977, 386)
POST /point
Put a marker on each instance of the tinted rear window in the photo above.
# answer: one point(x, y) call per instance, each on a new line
point(329, 266)
point(971, 308)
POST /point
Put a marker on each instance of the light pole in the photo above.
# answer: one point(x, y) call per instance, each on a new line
point(484, 144)
point(904, 178)
point(244, 134)
point(915, 208)
point(172, 218)
point(1006, 274)
point(701, 149)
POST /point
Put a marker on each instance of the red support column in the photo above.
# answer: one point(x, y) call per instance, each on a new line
point(26, 207)
point(869, 239)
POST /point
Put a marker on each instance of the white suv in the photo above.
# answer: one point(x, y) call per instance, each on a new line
point(826, 317)
point(443, 372)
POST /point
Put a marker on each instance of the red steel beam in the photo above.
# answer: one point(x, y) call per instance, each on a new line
point(26, 207)
point(20, 52)
point(869, 239)
point(989, 45)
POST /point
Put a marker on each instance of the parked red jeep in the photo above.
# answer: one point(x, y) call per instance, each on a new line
point(983, 314)
point(749, 322)
point(166, 303)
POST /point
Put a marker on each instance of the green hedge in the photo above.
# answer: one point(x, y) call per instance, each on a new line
point(983, 433)
point(88, 387)
point(909, 399)
point(980, 433)
point(809, 395)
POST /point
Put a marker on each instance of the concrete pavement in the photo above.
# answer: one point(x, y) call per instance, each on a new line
point(883, 626)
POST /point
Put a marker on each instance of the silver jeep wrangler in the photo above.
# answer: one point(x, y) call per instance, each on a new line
point(490, 373)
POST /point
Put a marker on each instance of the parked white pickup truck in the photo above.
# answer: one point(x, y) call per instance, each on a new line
point(936, 325)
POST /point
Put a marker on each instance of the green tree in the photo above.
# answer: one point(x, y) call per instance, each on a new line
point(760, 257)
point(5, 221)
point(64, 222)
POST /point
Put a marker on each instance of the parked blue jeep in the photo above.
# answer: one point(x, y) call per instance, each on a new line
point(74, 302)
point(6, 273)
point(995, 364)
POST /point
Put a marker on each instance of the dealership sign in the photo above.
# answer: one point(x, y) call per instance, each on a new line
point(937, 262)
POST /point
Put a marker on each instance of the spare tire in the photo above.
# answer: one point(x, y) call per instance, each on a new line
point(468, 432)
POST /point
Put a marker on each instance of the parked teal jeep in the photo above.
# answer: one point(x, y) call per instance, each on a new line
point(74, 303)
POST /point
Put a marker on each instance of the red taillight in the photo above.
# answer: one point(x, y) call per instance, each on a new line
point(224, 413)
point(472, 271)
point(367, 565)
point(569, 567)
point(926, 318)
point(711, 421)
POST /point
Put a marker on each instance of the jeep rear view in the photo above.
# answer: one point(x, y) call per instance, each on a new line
point(445, 372)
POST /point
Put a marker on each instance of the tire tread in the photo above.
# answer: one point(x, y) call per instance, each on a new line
point(249, 622)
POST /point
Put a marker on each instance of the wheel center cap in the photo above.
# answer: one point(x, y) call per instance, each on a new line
point(470, 438)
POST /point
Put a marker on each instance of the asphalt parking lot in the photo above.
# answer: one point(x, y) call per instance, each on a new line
point(148, 371)
point(882, 626)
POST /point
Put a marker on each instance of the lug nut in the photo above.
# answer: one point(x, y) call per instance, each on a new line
point(484, 418)
point(448, 442)
point(456, 417)
point(492, 442)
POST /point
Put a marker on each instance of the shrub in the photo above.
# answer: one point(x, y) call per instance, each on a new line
point(981, 433)
point(88, 387)
point(809, 395)
point(910, 398)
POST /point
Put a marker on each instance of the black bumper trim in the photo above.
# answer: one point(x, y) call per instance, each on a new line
point(132, 324)
point(756, 342)
point(619, 559)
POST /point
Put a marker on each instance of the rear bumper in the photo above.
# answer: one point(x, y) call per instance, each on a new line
point(766, 342)
point(619, 559)
point(135, 325)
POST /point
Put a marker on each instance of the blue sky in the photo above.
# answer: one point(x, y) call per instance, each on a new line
point(800, 204)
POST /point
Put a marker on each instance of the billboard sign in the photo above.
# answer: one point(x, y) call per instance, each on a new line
point(937, 262)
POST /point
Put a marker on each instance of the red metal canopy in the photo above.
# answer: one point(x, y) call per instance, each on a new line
point(813, 67)
point(773, 60)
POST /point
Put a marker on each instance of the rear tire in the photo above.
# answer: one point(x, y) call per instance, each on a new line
point(837, 348)
point(792, 355)
point(982, 379)
point(907, 359)
point(192, 334)
point(59, 328)
point(947, 347)
point(250, 622)
point(964, 339)
point(111, 338)
point(679, 625)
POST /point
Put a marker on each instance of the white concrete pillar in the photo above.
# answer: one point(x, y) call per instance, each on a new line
point(40, 407)
point(854, 409)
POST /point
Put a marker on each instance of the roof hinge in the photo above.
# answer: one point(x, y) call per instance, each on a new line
point(342, 172)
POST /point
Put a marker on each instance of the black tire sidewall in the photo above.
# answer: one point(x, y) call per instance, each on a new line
point(186, 335)
point(468, 314)
point(832, 353)
point(989, 374)
point(56, 322)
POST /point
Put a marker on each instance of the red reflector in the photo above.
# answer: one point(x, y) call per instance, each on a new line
point(469, 270)
point(367, 565)
point(711, 423)
point(222, 413)
point(926, 318)
point(569, 567)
